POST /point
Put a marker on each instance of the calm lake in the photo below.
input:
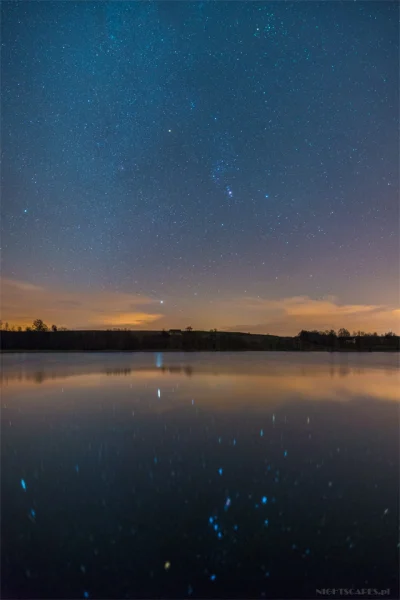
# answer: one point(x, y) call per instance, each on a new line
point(204, 475)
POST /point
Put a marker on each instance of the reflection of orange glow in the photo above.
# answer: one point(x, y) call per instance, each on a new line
point(213, 387)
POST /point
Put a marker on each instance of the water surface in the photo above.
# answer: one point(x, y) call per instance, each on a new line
point(243, 475)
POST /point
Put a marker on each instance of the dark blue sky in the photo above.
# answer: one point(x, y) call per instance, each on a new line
point(201, 153)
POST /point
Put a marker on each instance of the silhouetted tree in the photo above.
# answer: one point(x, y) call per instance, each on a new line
point(38, 325)
point(54, 327)
point(189, 328)
point(303, 334)
point(343, 332)
point(358, 333)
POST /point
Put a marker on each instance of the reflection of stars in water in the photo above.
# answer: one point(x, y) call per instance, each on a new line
point(234, 514)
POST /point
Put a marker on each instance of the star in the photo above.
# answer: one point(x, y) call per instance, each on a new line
point(89, 155)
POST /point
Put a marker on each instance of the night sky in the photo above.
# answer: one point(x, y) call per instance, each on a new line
point(213, 164)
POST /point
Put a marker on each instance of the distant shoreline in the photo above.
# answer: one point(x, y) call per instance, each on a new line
point(169, 351)
point(176, 340)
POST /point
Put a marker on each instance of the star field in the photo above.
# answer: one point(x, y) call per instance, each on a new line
point(190, 152)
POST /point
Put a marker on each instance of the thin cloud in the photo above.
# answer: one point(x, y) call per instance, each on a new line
point(134, 319)
point(83, 310)
point(67, 303)
point(287, 316)
point(106, 310)
point(24, 286)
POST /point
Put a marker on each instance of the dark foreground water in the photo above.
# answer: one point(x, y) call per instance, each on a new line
point(254, 475)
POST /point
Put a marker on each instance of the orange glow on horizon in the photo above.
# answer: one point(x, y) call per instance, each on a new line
point(23, 302)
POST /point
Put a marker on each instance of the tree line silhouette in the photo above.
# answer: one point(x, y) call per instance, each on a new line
point(41, 337)
point(37, 325)
point(343, 340)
